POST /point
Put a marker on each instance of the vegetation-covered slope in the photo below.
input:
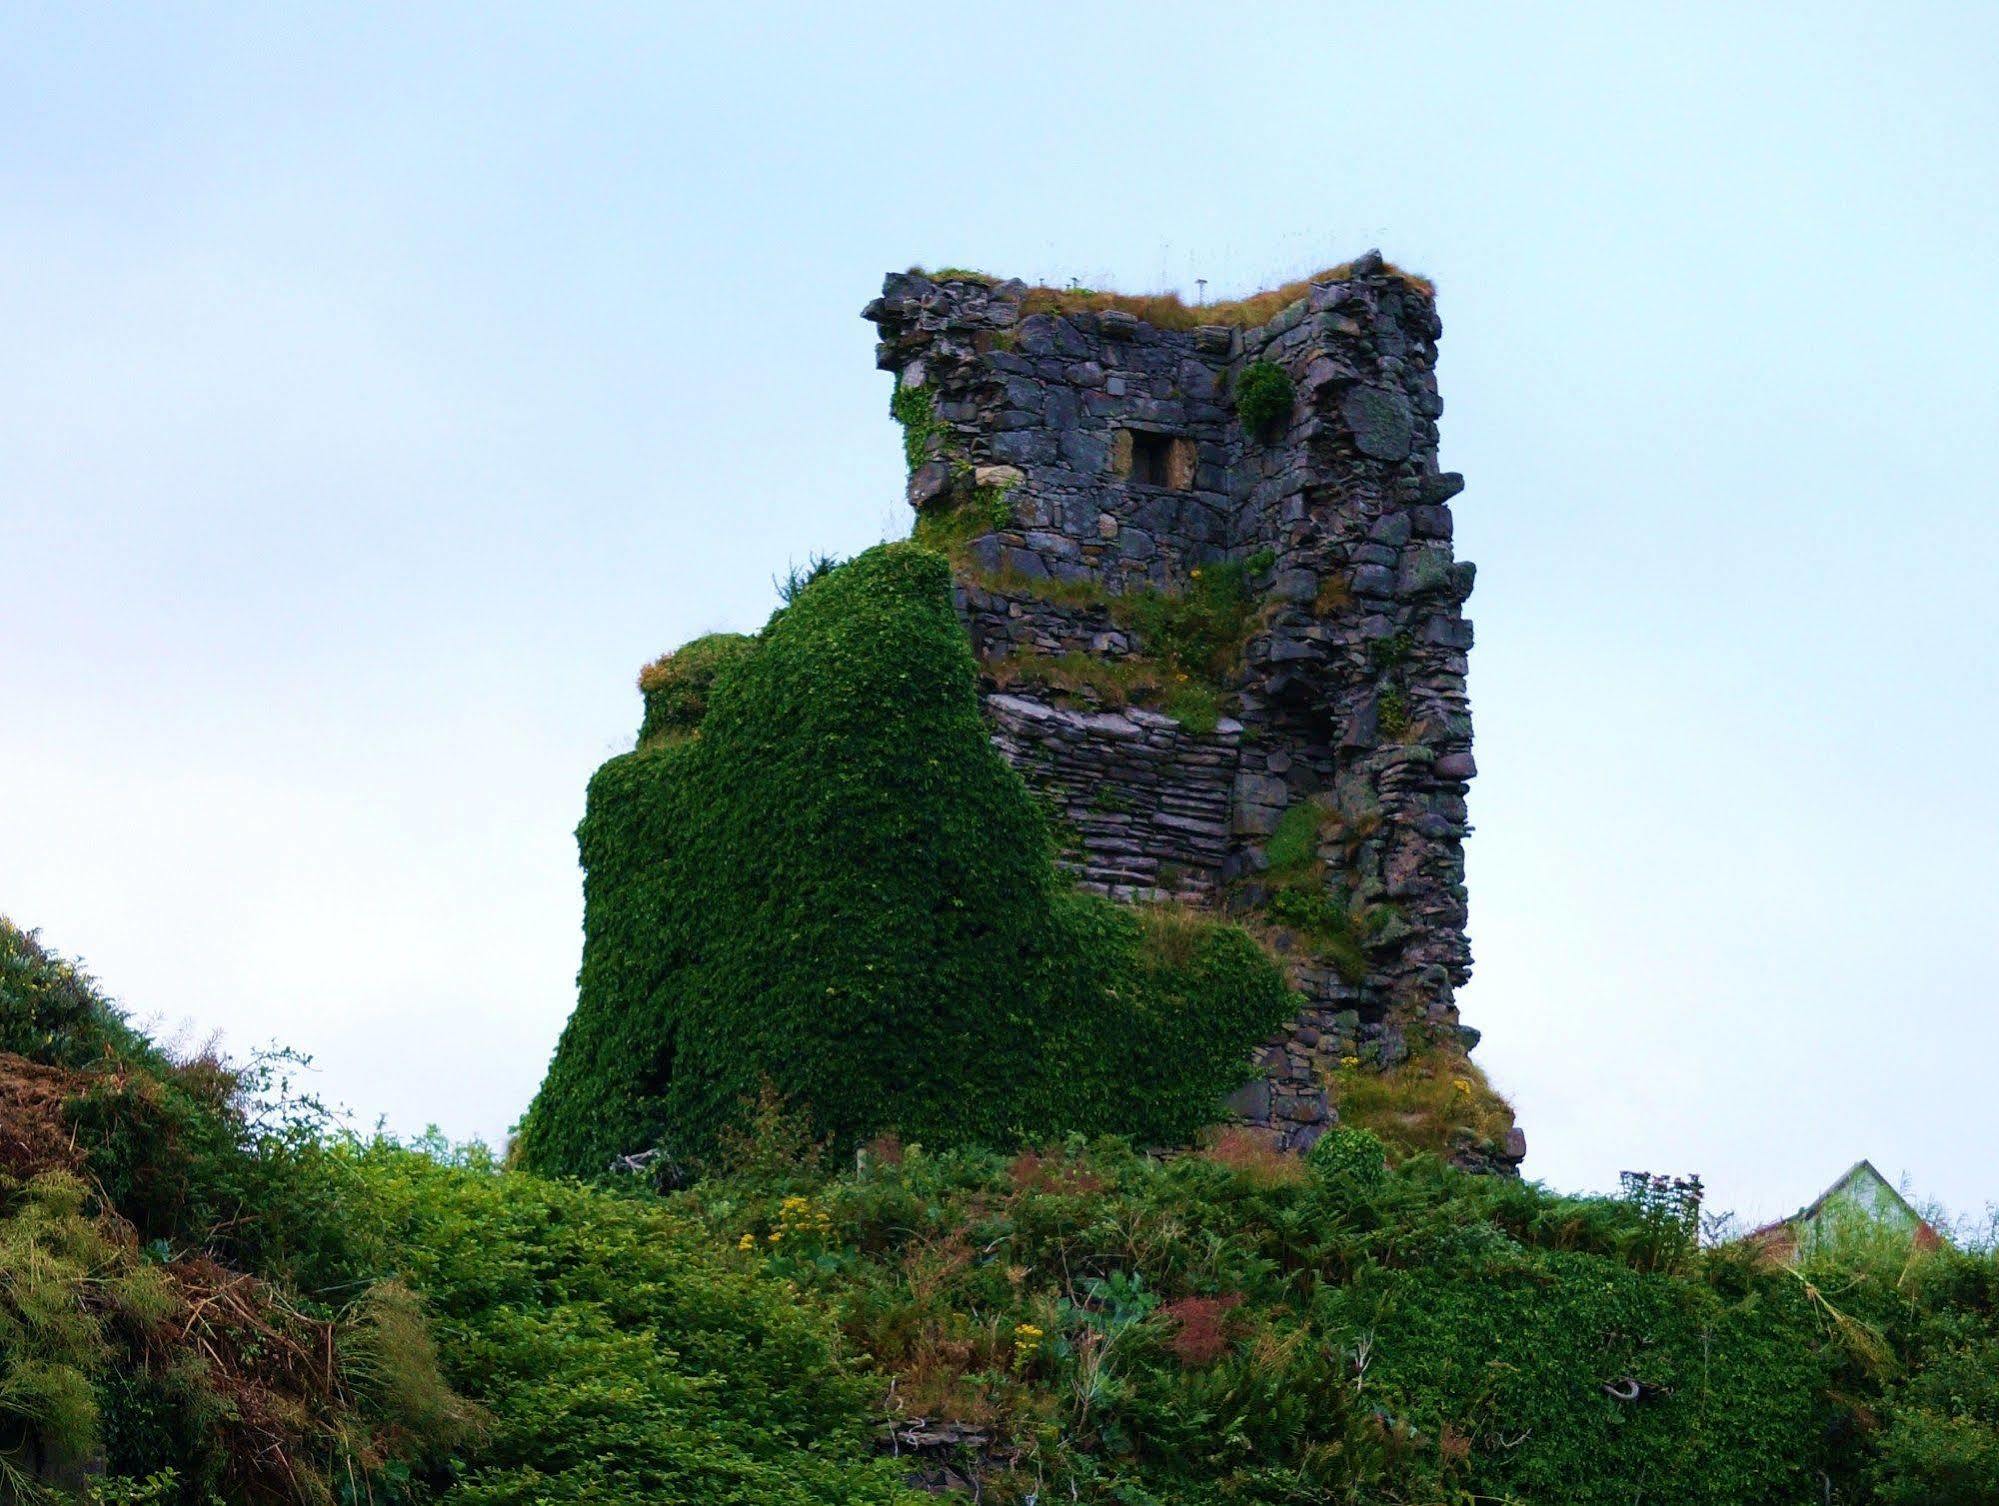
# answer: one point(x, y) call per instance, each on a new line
point(182, 1294)
point(1236, 1326)
point(832, 882)
point(206, 1296)
point(289, 1315)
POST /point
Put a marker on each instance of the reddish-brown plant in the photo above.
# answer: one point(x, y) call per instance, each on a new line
point(1202, 1328)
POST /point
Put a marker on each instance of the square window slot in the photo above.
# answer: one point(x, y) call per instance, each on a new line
point(1151, 458)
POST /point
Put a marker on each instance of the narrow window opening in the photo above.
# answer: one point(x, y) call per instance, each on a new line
point(1150, 458)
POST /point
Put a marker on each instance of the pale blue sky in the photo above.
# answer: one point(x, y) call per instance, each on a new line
point(379, 388)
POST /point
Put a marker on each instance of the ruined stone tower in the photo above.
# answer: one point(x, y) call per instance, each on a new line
point(1088, 469)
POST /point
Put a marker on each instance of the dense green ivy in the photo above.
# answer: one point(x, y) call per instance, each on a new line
point(840, 888)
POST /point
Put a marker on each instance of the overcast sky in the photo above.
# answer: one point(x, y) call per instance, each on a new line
point(379, 388)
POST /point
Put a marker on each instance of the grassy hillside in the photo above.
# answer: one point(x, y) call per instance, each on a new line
point(206, 1295)
point(1081, 1322)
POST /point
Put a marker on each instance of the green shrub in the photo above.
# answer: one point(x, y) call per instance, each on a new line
point(621, 1352)
point(57, 1269)
point(1505, 1352)
point(51, 1012)
point(1263, 395)
point(842, 888)
point(184, 1259)
point(1931, 1339)
point(1353, 1158)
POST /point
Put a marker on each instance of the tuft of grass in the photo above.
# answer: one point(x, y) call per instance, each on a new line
point(1427, 1105)
point(1194, 705)
point(955, 274)
point(797, 577)
point(391, 1357)
point(1171, 934)
point(949, 529)
point(676, 686)
point(1295, 844)
point(1170, 311)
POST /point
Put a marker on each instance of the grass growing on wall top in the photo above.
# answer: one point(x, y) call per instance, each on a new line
point(842, 888)
point(675, 686)
point(1170, 311)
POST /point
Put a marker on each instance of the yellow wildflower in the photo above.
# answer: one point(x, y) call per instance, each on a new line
point(1026, 1340)
point(1349, 1061)
point(1461, 1085)
point(747, 1242)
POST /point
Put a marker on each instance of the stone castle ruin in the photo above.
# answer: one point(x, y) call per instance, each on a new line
point(1111, 490)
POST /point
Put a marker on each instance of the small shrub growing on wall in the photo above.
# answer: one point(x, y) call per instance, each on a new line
point(1263, 395)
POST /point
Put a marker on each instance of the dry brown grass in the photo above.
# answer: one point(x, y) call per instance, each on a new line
point(942, 1357)
point(1254, 1160)
point(1335, 596)
point(34, 1137)
point(1171, 311)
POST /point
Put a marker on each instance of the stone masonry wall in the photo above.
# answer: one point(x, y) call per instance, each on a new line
point(1122, 465)
point(1144, 803)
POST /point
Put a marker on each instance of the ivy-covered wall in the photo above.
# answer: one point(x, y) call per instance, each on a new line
point(832, 883)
